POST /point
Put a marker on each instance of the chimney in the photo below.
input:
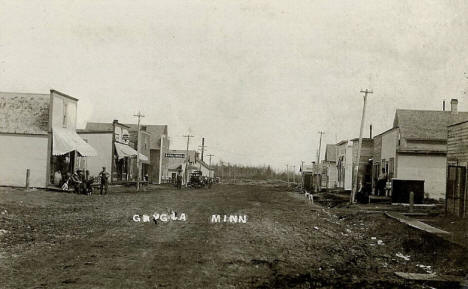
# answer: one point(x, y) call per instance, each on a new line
point(115, 121)
point(443, 105)
point(454, 105)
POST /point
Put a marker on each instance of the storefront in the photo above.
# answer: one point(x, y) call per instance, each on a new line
point(125, 159)
point(69, 152)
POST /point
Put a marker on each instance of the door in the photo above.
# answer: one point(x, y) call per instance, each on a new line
point(455, 196)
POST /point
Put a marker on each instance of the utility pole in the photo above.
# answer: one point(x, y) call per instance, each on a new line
point(302, 174)
point(355, 185)
point(294, 174)
point(287, 173)
point(188, 136)
point(320, 146)
point(139, 115)
point(210, 155)
point(202, 147)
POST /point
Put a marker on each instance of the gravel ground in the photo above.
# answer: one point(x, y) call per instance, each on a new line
point(60, 240)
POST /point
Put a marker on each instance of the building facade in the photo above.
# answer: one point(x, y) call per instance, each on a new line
point(415, 148)
point(159, 146)
point(456, 201)
point(116, 149)
point(41, 132)
point(344, 165)
point(330, 166)
point(178, 161)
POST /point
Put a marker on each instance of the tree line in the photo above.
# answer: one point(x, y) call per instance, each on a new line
point(228, 171)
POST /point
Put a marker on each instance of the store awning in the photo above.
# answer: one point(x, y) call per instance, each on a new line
point(144, 158)
point(65, 141)
point(124, 150)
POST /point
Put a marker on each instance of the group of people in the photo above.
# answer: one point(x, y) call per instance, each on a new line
point(82, 183)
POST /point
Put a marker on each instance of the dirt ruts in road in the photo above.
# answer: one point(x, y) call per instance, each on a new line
point(57, 240)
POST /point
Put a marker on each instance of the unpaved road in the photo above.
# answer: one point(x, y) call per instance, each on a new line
point(59, 240)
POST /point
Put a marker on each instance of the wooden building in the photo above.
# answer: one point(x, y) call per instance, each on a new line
point(331, 171)
point(415, 148)
point(346, 162)
point(38, 133)
point(116, 150)
point(456, 198)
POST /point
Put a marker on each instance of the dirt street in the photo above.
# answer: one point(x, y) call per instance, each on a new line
point(60, 240)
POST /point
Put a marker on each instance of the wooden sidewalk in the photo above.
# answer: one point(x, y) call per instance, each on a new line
point(416, 224)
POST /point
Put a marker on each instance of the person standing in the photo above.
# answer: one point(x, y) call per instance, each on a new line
point(104, 184)
point(381, 183)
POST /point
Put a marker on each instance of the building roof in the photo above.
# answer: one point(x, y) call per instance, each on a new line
point(204, 164)
point(384, 132)
point(342, 142)
point(63, 94)
point(99, 126)
point(24, 113)
point(459, 123)
point(330, 153)
point(426, 124)
point(364, 139)
point(87, 131)
point(102, 126)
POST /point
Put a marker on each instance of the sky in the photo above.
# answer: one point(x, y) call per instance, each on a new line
point(257, 79)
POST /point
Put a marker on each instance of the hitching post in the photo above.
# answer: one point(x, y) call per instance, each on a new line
point(27, 179)
point(411, 201)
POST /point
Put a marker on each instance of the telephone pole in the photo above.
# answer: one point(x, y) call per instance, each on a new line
point(139, 115)
point(287, 173)
point(210, 155)
point(355, 185)
point(320, 146)
point(202, 147)
point(188, 136)
point(302, 174)
point(294, 174)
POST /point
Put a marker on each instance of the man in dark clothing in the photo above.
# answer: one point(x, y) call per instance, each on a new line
point(179, 182)
point(179, 178)
point(210, 183)
point(104, 185)
point(77, 181)
point(88, 183)
point(381, 183)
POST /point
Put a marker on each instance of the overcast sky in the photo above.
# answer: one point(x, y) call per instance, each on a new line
point(257, 79)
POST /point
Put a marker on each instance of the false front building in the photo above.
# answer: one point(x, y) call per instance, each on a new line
point(116, 151)
point(39, 135)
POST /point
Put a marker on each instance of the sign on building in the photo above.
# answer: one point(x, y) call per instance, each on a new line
point(177, 156)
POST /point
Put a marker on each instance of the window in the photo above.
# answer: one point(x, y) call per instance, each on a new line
point(65, 109)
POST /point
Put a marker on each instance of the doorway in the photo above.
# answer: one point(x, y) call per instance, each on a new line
point(455, 195)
